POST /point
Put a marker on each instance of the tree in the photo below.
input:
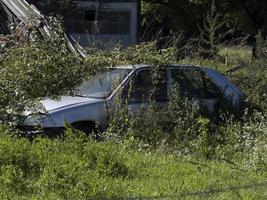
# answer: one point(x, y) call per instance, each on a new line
point(33, 69)
point(244, 17)
point(212, 33)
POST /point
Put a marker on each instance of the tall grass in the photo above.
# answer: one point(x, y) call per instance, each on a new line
point(78, 168)
point(141, 157)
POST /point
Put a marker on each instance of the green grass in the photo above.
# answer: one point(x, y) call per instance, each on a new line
point(170, 177)
point(220, 66)
point(77, 169)
point(228, 57)
point(236, 54)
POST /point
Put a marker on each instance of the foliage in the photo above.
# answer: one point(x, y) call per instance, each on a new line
point(41, 67)
point(259, 49)
point(33, 69)
point(78, 168)
point(145, 53)
point(253, 82)
point(162, 18)
point(180, 128)
point(47, 69)
point(190, 154)
point(211, 34)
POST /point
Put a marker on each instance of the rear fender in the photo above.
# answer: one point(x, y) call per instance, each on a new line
point(229, 90)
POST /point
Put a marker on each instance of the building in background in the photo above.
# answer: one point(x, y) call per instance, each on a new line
point(104, 21)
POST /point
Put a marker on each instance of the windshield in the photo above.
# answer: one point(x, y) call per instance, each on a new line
point(102, 84)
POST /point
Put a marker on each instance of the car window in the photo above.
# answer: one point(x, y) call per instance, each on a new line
point(194, 83)
point(211, 89)
point(102, 84)
point(147, 86)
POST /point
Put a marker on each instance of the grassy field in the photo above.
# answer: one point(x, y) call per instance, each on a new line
point(228, 57)
point(75, 167)
point(78, 168)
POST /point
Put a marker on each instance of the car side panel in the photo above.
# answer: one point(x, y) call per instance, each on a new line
point(95, 112)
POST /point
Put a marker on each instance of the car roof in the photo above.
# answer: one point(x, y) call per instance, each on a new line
point(140, 66)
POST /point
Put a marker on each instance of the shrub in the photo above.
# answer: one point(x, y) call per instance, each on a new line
point(74, 167)
point(37, 69)
point(253, 83)
point(33, 69)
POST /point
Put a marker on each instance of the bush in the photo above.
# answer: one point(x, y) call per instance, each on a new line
point(76, 167)
point(33, 69)
point(71, 168)
point(254, 84)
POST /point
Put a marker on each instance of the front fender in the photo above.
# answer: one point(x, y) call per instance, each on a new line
point(95, 112)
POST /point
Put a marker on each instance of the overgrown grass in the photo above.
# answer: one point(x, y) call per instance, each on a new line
point(228, 57)
point(234, 55)
point(139, 159)
point(78, 168)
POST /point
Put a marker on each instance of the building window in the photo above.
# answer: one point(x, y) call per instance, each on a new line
point(108, 21)
point(89, 15)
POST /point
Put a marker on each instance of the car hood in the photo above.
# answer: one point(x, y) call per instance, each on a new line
point(66, 101)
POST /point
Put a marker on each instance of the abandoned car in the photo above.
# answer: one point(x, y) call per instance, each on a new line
point(89, 105)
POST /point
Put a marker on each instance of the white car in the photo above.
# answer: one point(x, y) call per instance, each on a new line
point(89, 106)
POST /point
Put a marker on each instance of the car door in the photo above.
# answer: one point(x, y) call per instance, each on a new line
point(196, 86)
point(146, 87)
